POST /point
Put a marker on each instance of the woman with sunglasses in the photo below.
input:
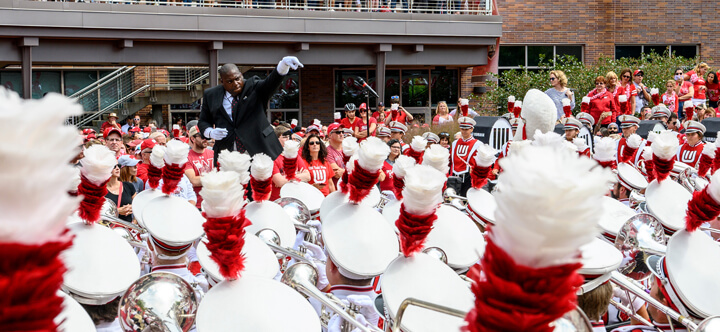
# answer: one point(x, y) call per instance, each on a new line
point(626, 88)
point(696, 77)
point(713, 89)
point(361, 130)
point(386, 184)
point(684, 90)
point(314, 153)
point(559, 91)
point(120, 193)
point(603, 107)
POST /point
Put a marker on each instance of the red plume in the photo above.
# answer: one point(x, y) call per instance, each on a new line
point(93, 199)
point(705, 164)
point(154, 174)
point(417, 155)
point(479, 176)
point(226, 238)
point(650, 169)
point(716, 161)
point(655, 99)
point(663, 168)
point(171, 175)
point(289, 167)
point(701, 208)
point(398, 185)
point(612, 164)
point(360, 182)
point(260, 189)
point(413, 230)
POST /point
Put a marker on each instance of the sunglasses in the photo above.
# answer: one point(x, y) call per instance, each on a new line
point(626, 76)
point(599, 83)
point(552, 78)
point(314, 143)
point(118, 166)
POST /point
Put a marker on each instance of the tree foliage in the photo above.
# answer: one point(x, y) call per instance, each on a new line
point(658, 68)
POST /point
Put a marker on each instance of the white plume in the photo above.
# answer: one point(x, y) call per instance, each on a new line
point(714, 187)
point(605, 149)
point(539, 112)
point(98, 163)
point(464, 101)
point(688, 104)
point(222, 194)
point(36, 171)
point(402, 164)
point(372, 154)
point(622, 98)
point(349, 146)
point(651, 136)
point(157, 156)
point(437, 157)
point(547, 208)
point(350, 166)
point(337, 115)
point(549, 138)
point(418, 143)
point(518, 145)
point(262, 166)
point(317, 122)
point(511, 99)
point(233, 161)
point(665, 145)
point(176, 152)
point(580, 144)
point(290, 150)
point(423, 189)
point(654, 91)
point(565, 102)
point(73, 185)
point(518, 104)
point(709, 150)
point(634, 141)
point(485, 156)
point(569, 146)
point(586, 100)
point(647, 153)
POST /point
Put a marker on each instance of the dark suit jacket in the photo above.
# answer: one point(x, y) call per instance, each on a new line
point(249, 122)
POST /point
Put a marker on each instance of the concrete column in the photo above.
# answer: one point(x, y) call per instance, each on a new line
point(213, 49)
point(380, 76)
point(26, 45)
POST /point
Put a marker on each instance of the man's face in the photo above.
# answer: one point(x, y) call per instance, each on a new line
point(381, 109)
point(672, 124)
point(638, 78)
point(466, 132)
point(136, 120)
point(160, 140)
point(629, 131)
point(396, 135)
point(692, 138)
point(336, 136)
point(145, 154)
point(232, 82)
point(199, 142)
point(113, 142)
point(570, 134)
point(283, 139)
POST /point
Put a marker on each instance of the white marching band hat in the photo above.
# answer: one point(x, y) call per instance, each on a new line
point(383, 132)
point(270, 215)
point(73, 318)
point(627, 121)
point(599, 259)
point(396, 127)
point(466, 122)
point(571, 123)
point(431, 137)
point(613, 217)
point(666, 201)
point(481, 206)
point(310, 196)
point(173, 223)
point(586, 119)
point(694, 127)
point(457, 235)
point(337, 197)
point(629, 177)
point(259, 260)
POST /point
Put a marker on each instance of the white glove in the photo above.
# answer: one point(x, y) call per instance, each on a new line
point(287, 63)
point(315, 223)
point(335, 323)
point(367, 308)
point(322, 282)
point(314, 249)
point(216, 133)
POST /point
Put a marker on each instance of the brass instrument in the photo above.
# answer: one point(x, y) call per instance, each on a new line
point(299, 212)
point(691, 181)
point(158, 301)
point(109, 216)
point(271, 238)
point(384, 199)
point(641, 235)
point(453, 199)
point(303, 277)
point(637, 201)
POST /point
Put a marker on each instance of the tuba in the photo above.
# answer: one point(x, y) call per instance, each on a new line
point(690, 179)
point(640, 236)
point(159, 301)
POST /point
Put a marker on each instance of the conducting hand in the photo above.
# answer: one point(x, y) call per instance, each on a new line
point(218, 133)
point(287, 63)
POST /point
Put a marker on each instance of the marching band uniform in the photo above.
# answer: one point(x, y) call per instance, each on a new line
point(586, 119)
point(599, 259)
point(627, 121)
point(691, 154)
point(462, 151)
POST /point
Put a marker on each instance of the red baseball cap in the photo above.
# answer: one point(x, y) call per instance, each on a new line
point(363, 106)
point(147, 129)
point(110, 130)
point(147, 144)
point(135, 143)
point(333, 127)
point(134, 130)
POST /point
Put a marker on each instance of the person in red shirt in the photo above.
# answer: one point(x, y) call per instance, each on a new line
point(335, 153)
point(670, 97)
point(462, 152)
point(380, 110)
point(114, 141)
point(278, 173)
point(684, 90)
point(315, 155)
point(696, 77)
point(145, 150)
point(386, 185)
point(361, 131)
point(692, 149)
point(111, 123)
point(602, 104)
point(200, 161)
point(713, 89)
point(350, 121)
point(626, 88)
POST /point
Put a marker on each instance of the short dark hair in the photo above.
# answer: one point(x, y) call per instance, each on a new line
point(322, 154)
point(227, 68)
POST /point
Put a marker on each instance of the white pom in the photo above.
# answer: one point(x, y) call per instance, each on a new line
point(511, 99)
point(36, 171)
point(350, 166)
point(294, 122)
point(665, 145)
point(550, 138)
point(647, 153)
point(605, 149)
point(418, 143)
point(337, 115)
point(402, 163)
point(654, 91)
point(580, 144)
point(518, 104)
point(157, 156)
point(547, 208)
point(634, 141)
point(586, 100)
point(714, 187)
point(262, 166)
point(317, 122)
point(539, 112)
point(688, 104)
point(176, 152)
point(709, 149)
point(98, 163)
point(233, 161)
point(437, 157)
point(423, 189)
point(222, 194)
point(372, 154)
point(350, 146)
point(464, 102)
point(569, 146)
point(651, 136)
point(290, 150)
point(565, 102)
point(518, 145)
point(622, 98)
point(485, 156)
point(73, 185)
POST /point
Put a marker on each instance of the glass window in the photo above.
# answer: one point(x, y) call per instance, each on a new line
point(415, 88)
point(284, 116)
point(627, 51)
point(288, 93)
point(685, 51)
point(537, 52)
point(348, 89)
point(444, 86)
point(259, 73)
point(392, 85)
point(45, 82)
point(512, 56)
point(658, 49)
point(12, 80)
point(77, 80)
point(574, 50)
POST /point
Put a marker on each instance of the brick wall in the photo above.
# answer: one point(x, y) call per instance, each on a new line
point(316, 94)
point(599, 25)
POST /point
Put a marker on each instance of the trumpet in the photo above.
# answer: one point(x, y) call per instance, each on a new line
point(109, 216)
point(271, 238)
point(303, 277)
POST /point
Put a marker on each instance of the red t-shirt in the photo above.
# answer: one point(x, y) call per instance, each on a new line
point(603, 103)
point(387, 184)
point(364, 127)
point(321, 173)
point(142, 171)
point(107, 124)
point(400, 116)
point(278, 168)
point(713, 91)
point(345, 123)
point(671, 101)
point(685, 88)
point(201, 163)
point(697, 82)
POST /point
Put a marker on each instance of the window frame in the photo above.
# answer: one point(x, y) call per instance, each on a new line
point(669, 46)
point(555, 54)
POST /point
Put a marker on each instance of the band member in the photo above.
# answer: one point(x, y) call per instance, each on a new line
point(629, 179)
point(595, 294)
point(397, 131)
point(629, 125)
point(572, 128)
point(462, 151)
point(691, 151)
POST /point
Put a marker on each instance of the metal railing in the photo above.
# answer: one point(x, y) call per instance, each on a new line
point(446, 7)
point(185, 78)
